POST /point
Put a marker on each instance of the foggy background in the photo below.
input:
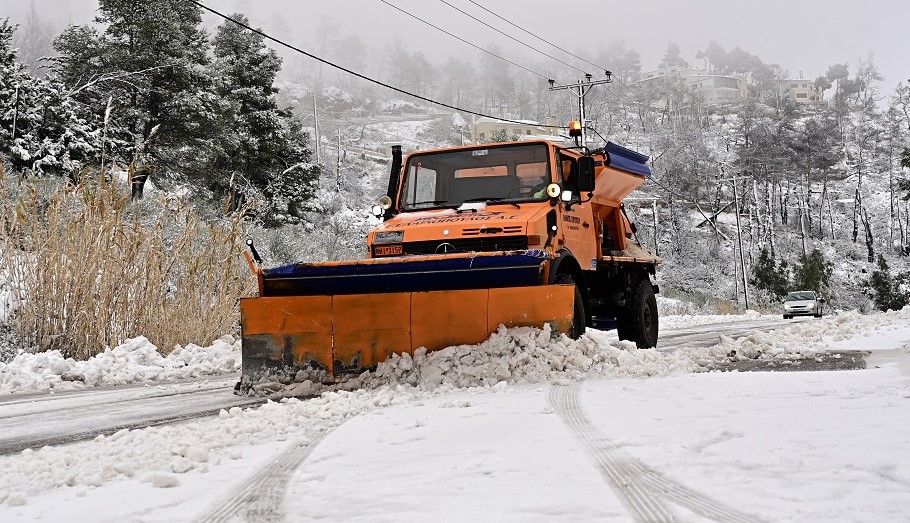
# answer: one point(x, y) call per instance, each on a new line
point(802, 36)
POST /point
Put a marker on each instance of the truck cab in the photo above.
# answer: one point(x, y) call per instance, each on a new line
point(531, 195)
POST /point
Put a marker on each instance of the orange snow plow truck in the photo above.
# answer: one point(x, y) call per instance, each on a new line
point(524, 233)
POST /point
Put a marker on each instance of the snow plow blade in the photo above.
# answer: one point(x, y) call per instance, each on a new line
point(294, 332)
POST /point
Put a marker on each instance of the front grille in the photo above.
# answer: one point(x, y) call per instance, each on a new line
point(508, 229)
point(477, 244)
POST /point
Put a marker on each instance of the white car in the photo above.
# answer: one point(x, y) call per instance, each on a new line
point(803, 303)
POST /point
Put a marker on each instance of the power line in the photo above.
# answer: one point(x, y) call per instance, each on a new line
point(545, 77)
point(513, 24)
point(512, 37)
point(354, 73)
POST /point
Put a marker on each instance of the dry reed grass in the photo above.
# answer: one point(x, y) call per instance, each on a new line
point(90, 268)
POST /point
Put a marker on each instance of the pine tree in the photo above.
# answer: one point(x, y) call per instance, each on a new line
point(813, 273)
point(673, 57)
point(50, 136)
point(13, 78)
point(887, 291)
point(261, 142)
point(771, 276)
point(151, 59)
point(904, 183)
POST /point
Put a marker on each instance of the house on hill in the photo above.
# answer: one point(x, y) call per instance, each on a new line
point(713, 88)
point(800, 90)
point(484, 129)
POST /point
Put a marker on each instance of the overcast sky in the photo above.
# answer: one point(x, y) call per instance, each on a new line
point(800, 35)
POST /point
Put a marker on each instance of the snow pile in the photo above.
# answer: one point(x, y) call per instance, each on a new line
point(525, 355)
point(807, 339)
point(672, 306)
point(135, 361)
point(510, 356)
point(529, 355)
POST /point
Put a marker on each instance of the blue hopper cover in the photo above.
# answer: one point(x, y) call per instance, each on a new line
point(627, 160)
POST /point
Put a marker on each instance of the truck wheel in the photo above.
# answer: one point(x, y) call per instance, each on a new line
point(578, 313)
point(639, 322)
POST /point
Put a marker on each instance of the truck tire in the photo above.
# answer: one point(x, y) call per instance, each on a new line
point(578, 313)
point(639, 323)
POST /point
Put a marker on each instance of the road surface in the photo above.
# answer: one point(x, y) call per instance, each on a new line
point(36, 420)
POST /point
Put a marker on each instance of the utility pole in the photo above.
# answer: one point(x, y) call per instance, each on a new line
point(338, 162)
point(654, 216)
point(316, 128)
point(15, 113)
point(581, 88)
point(739, 237)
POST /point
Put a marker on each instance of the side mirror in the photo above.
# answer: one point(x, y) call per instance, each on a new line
point(585, 174)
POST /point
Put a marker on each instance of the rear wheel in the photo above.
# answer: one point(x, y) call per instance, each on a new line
point(787, 316)
point(639, 323)
point(578, 313)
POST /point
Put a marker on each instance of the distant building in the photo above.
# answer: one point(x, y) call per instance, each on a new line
point(800, 90)
point(483, 129)
point(718, 89)
point(675, 71)
point(713, 88)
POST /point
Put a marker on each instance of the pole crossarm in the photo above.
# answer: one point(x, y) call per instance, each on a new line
point(581, 89)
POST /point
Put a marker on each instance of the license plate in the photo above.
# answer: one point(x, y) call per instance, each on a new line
point(387, 250)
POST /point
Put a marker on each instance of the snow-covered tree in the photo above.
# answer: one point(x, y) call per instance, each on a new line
point(262, 143)
point(50, 134)
point(673, 57)
point(151, 59)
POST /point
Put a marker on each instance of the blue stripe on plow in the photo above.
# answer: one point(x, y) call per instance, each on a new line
point(409, 275)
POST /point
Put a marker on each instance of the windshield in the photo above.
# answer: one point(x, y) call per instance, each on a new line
point(450, 178)
point(794, 296)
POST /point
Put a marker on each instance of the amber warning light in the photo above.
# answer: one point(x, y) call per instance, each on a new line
point(574, 128)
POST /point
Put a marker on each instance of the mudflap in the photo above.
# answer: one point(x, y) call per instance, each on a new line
point(326, 338)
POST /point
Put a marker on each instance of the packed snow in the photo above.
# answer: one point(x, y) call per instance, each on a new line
point(135, 361)
point(468, 432)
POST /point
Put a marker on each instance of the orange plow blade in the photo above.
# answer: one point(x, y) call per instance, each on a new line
point(324, 338)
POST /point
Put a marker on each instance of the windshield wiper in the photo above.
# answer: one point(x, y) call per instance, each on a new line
point(490, 200)
point(434, 202)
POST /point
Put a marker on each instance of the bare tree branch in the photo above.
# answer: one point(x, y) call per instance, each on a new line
point(116, 76)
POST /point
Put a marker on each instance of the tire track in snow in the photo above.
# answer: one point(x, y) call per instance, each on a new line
point(33, 422)
point(261, 497)
point(644, 490)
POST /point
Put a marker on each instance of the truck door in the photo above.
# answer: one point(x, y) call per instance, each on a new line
point(577, 223)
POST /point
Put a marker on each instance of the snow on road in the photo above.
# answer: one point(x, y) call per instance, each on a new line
point(474, 434)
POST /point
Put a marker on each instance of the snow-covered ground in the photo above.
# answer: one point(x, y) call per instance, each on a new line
point(135, 361)
point(521, 428)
